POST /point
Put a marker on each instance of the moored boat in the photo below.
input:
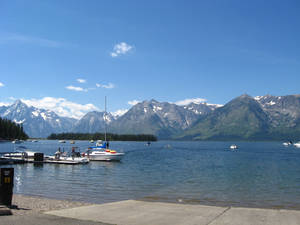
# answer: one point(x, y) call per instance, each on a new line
point(287, 143)
point(102, 153)
point(73, 157)
point(233, 147)
point(297, 144)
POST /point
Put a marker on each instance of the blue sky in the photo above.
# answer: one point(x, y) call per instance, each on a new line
point(139, 50)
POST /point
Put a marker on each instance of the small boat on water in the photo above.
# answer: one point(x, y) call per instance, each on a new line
point(233, 147)
point(91, 141)
point(289, 143)
point(17, 141)
point(73, 157)
point(72, 142)
point(103, 153)
point(297, 144)
point(62, 141)
point(21, 152)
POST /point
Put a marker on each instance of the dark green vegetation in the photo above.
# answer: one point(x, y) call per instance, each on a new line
point(245, 118)
point(10, 130)
point(100, 136)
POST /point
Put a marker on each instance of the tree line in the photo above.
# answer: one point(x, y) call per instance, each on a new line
point(101, 136)
point(10, 130)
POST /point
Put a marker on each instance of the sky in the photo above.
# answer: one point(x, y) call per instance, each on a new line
point(67, 55)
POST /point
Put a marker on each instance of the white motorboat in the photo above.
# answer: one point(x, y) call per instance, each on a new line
point(21, 152)
point(297, 144)
point(100, 153)
point(287, 143)
point(73, 157)
point(62, 141)
point(233, 147)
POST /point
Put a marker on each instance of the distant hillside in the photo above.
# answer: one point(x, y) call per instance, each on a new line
point(10, 130)
point(247, 118)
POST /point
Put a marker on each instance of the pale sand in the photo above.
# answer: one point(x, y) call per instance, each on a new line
point(23, 205)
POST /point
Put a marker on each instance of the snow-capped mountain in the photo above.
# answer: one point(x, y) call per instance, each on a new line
point(159, 118)
point(36, 122)
point(93, 122)
point(201, 108)
point(282, 110)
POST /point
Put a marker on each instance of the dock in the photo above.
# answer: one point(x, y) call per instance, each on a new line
point(21, 160)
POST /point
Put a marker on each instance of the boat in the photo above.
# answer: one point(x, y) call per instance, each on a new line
point(287, 143)
point(17, 141)
point(297, 144)
point(62, 141)
point(101, 151)
point(72, 142)
point(233, 147)
point(21, 152)
point(73, 157)
point(91, 141)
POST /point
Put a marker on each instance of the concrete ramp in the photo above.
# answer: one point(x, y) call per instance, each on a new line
point(133, 212)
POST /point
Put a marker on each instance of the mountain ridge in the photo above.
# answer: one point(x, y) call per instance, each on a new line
point(243, 118)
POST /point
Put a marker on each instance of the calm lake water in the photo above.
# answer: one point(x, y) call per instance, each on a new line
point(258, 174)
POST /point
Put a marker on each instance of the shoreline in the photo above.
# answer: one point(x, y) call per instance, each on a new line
point(27, 204)
point(33, 204)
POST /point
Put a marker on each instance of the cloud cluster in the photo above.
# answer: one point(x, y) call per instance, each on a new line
point(121, 49)
point(61, 106)
point(1, 84)
point(107, 86)
point(73, 88)
point(81, 80)
point(190, 100)
point(133, 102)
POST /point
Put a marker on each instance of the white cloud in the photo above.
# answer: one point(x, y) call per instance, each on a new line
point(121, 49)
point(133, 102)
point(81, 80)
point(190, 100)
point(73, 88)
point(61, 106)
point(1, 84)
point(107, 86)
point(119, 112)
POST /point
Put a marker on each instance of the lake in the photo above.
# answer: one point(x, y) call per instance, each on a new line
point(258, 174)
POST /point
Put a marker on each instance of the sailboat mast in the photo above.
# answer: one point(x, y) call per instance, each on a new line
point(105, 121)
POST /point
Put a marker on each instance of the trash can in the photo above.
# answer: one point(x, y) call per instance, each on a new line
point(6, 185)
point(38, 157)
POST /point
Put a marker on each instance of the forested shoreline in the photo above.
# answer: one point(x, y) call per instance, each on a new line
point(10, 130)
point(101, 136)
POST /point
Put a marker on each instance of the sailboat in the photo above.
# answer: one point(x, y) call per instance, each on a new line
point(101, 152)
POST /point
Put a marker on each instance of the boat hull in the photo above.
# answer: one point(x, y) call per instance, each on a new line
point(103, 156)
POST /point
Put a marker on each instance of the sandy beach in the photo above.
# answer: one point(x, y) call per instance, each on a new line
point(24, 205)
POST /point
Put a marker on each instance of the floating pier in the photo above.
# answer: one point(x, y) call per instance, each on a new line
point(5, 158)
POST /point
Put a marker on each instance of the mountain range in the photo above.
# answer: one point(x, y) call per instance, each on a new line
point(243, 118)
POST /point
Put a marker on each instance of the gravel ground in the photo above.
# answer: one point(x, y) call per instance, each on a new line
point(24, 205)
